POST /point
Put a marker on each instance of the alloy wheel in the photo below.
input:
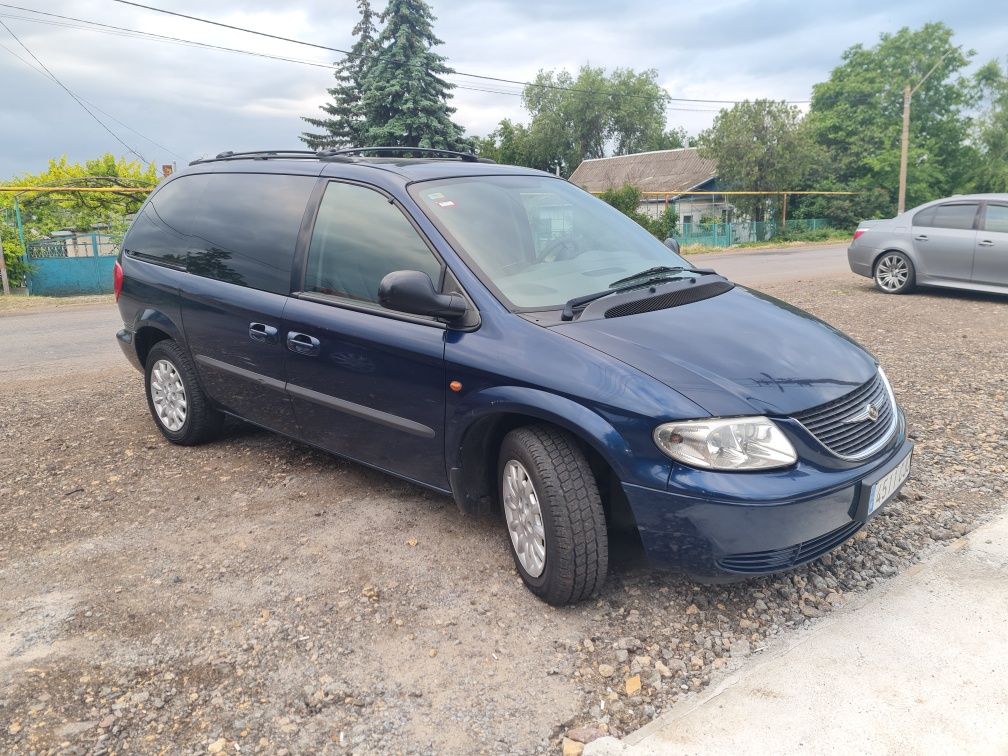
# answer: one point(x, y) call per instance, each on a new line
point(524, 518)
point(168, 395)
point(892, 272)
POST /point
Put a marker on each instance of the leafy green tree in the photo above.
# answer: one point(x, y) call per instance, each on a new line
point(43, 213)
point(405, 95)
point(574, 119)
point(991, 132)
point(343, 124)
point(856, 116)
point(627, 200)
point(761, 146)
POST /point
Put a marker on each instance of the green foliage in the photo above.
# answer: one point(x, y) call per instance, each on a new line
point(856, 117)
point(576, 118)
point(44, 213)
point(990, 173)
point(627, 200)
point(404, 93)
point(344, 124)
point(759, 145)
point(12, 252)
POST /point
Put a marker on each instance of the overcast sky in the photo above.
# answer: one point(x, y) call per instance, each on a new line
point(196, 102)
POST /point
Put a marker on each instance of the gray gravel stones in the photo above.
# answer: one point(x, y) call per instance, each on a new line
point(259, 594)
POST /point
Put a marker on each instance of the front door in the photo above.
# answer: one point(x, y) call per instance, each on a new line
point(990, 261)
point(365, 382)
point(943, 238)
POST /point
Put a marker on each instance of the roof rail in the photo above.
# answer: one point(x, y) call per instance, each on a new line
point(263, 155)
point(467, 157)
point(341, 155)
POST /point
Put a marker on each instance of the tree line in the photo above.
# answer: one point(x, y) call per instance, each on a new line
point(391, 90)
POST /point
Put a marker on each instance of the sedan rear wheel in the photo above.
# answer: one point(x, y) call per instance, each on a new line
point(894, 273)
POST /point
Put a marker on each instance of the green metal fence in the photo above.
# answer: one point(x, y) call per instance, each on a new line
point(742, 232)
point(73, 264)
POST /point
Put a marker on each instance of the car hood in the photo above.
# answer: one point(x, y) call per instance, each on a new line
point(735, 354)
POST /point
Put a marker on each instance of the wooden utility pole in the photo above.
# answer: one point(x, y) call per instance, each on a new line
point(908, 94)
point(904, 148)
point(3, 267)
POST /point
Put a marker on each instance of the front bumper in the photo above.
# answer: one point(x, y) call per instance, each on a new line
point(711, 537)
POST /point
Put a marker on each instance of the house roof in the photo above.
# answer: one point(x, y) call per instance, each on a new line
point(659, 171)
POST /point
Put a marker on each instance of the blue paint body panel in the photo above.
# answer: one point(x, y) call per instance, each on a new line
point(376, 389)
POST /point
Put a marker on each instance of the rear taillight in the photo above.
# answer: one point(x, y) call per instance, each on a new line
point(858, 233)
point(117, 279)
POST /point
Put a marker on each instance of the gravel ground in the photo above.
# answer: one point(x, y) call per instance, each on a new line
point(256, 595)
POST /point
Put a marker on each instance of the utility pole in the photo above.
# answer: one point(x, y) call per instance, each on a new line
point(908, 94)
point(3, 265)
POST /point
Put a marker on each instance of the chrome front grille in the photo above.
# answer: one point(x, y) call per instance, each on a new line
point(856, 425)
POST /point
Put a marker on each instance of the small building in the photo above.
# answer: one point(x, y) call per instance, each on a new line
point(668, 171)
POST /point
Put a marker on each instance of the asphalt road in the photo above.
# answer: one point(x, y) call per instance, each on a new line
point(83, 338)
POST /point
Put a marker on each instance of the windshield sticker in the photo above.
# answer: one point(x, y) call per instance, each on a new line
point(446, 203)
point(435, 195)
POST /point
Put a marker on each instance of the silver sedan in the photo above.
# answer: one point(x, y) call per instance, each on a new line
point(960, 242)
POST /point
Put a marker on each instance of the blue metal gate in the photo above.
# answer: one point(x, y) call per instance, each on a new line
point(77, 264)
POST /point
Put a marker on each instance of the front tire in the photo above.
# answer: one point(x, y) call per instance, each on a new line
point(553, 513)
point(178, 405)
point(894, 273)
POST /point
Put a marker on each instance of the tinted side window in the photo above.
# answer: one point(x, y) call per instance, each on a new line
point(159, 233)
point(359, 238)
point(997, 218)
point(954, 216)
point(924, 217)
point(246, 228)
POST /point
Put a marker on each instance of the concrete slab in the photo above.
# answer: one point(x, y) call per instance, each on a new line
point(919, 666)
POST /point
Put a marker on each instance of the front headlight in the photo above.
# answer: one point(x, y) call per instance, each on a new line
point(734, 443)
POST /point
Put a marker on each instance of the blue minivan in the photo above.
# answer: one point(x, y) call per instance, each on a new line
point(499, 335)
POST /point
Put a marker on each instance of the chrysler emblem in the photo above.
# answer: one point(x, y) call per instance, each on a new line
point(867, 413)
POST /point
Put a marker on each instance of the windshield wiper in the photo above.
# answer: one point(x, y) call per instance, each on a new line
point(659, 272)
point(636, 281)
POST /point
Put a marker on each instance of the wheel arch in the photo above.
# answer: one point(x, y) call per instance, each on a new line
point(474, 446)
point(150, 327)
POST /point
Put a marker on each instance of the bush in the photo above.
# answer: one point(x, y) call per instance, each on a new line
point(17, 269)
point(627, 199)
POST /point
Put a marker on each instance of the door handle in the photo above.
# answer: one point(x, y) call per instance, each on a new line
point(985, 243)
point(302, 343)
point(920, 237)
point(264, 334)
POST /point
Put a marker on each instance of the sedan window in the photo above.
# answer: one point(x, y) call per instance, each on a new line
point(997, 218)
point(951, 216)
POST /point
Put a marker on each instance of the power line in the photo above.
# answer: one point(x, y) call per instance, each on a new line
point(92, 105)
point(122, 31)
point(460, 73)
point(69, 92)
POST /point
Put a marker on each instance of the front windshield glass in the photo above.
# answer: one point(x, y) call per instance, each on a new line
point(540, 241)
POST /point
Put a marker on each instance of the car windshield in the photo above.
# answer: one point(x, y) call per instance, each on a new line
point(541, 241)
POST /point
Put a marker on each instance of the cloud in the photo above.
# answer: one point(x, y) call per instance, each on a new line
point(197, 102)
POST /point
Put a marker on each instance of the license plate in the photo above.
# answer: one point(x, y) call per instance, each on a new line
point(884, 489)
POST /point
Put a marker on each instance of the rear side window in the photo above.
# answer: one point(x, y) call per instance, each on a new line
point(159, 233)
point(948, 216)
point(245, 229)
point(997, 218)
point(359, 238)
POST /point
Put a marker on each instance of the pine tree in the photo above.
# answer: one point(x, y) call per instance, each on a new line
point(405, 95)
point(344, 125)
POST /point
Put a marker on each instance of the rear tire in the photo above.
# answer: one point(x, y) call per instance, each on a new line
point(562, 514)
point(894, 273)
point(178, 405)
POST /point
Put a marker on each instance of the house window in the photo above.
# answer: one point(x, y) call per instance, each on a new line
point(687, 219)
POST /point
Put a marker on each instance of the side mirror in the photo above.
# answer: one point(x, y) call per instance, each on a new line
point(672, 244)
point(413, 291)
